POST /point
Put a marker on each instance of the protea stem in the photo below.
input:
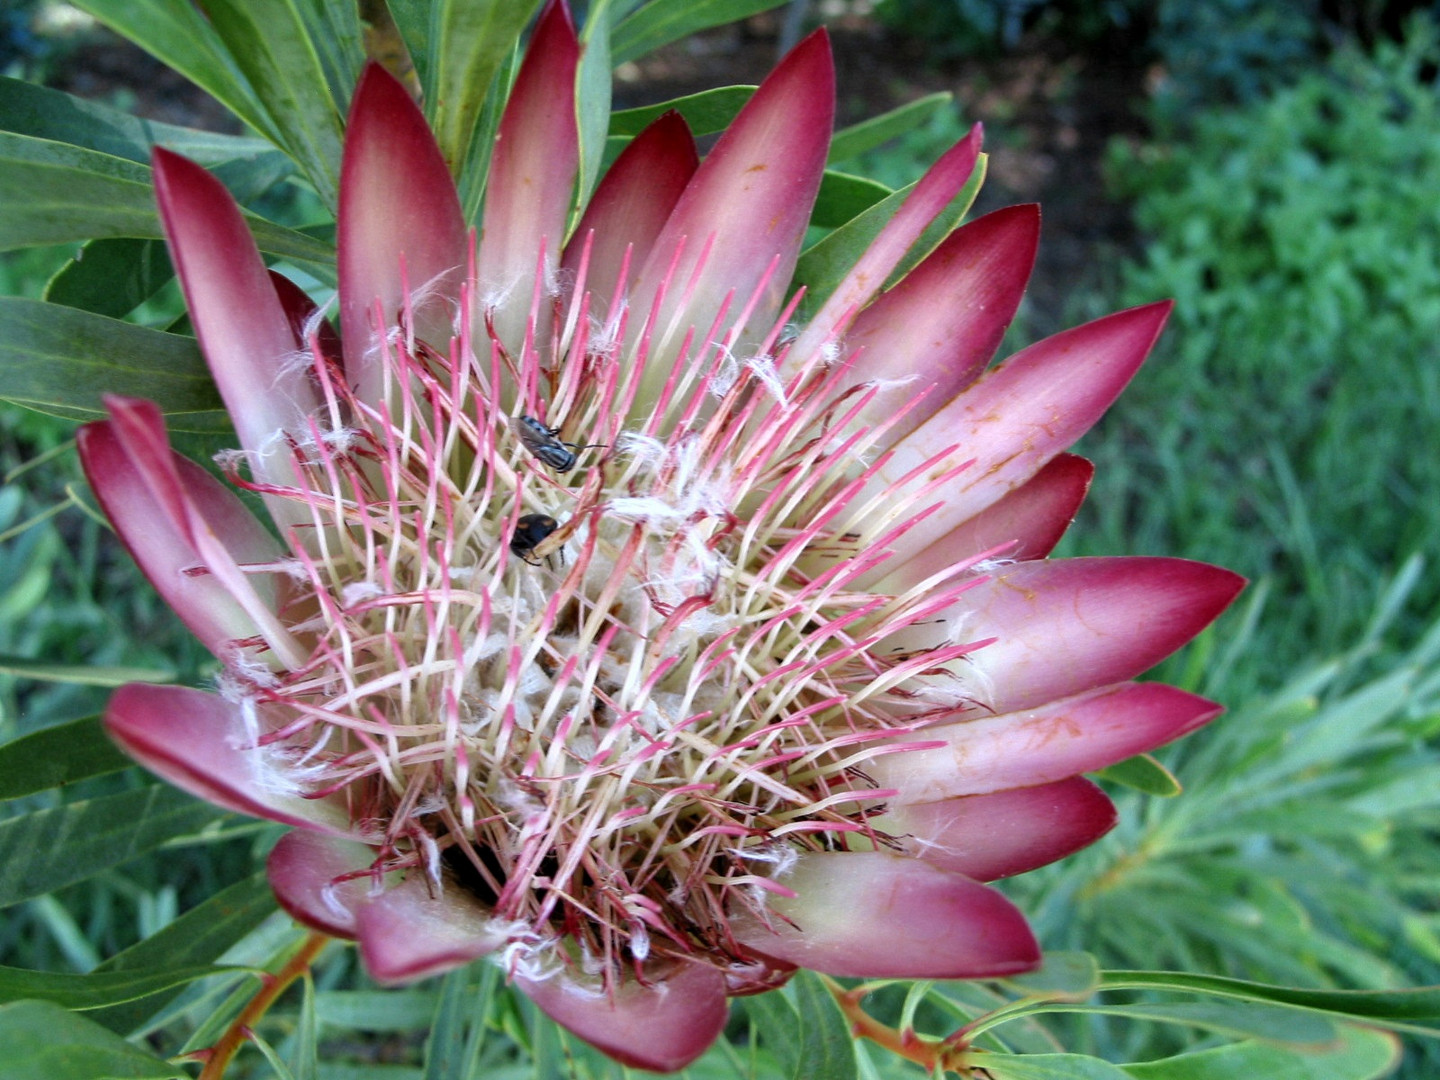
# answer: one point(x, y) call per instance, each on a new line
point(931, 1054)
point(271, 987)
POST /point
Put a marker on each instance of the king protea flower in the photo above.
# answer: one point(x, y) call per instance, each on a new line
point(607, 624)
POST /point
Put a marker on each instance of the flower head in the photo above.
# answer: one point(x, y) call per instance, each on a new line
point(615, 628)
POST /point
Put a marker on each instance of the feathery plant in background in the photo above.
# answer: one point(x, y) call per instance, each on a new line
point(628, 616)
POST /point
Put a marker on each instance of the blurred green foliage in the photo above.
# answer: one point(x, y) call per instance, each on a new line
point(1281, 428)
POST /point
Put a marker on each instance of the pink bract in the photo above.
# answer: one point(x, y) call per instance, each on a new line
point(609, 626)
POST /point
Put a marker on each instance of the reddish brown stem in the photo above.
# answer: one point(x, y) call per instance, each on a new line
point(930, 1054)
point(271, 987)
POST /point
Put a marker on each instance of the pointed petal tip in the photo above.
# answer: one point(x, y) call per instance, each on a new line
point(880, 915)
point(662, 1027)
point(303, 867)
point(197, 741)
point(413, 930)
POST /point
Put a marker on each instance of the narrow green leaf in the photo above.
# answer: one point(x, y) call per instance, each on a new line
point(95, 990)
point(45, 1042)
point(868, 134)
point(1248, 1020)
point(60, 360)
point(1071, 974)
point(52, 193)
point(803, 1027)
point(445, 1046)
point(944, 223)
point(49, 849)
point(205, 932)
point(827, 1051)
point(81, 674)
point(269, 44)
point(1361, 1054)
point(57, 755)
point(592, 89)
point(111, 277)
point(777, 1021)
point(663, 21)
point(458, 46)
point(1144, 774)
point(843, 197)
point(42, 113)
point(336, 34)
point(823, 265)
point(706, 112)
point(1049, 1067)
point(178, 34)
point(305, 1056)
point(200, 936)
point(1400, 1009)
point(378, 1010)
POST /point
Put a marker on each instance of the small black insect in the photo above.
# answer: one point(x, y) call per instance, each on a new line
point(541, 442)
point(529, 531)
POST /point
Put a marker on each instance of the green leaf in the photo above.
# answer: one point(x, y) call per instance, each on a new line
point(458, 46)
point(592, 88)
point(338, 38)
point(111, 277)
point(379, 1010)
point(706, 112)
point(1399, 1009)
point(81, 674)
point(1069, 974)
point(824, 264)
point(445, 1045)
point(663, 21)
point(805, 1030)
point(1144, 774)
point(856, 139)
point(200, 936)
point(52, 193)
point(42, 113)
point(49, 849)
point(269, 44)
point(95, 990)
point(54, 756)
point(827, 1051)
point(843, 197)
point(61, 360)
point(45, 1042)
point(1362, 1054)
point(1048, 1067)
point(178, 34)
point(1269, 1022)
